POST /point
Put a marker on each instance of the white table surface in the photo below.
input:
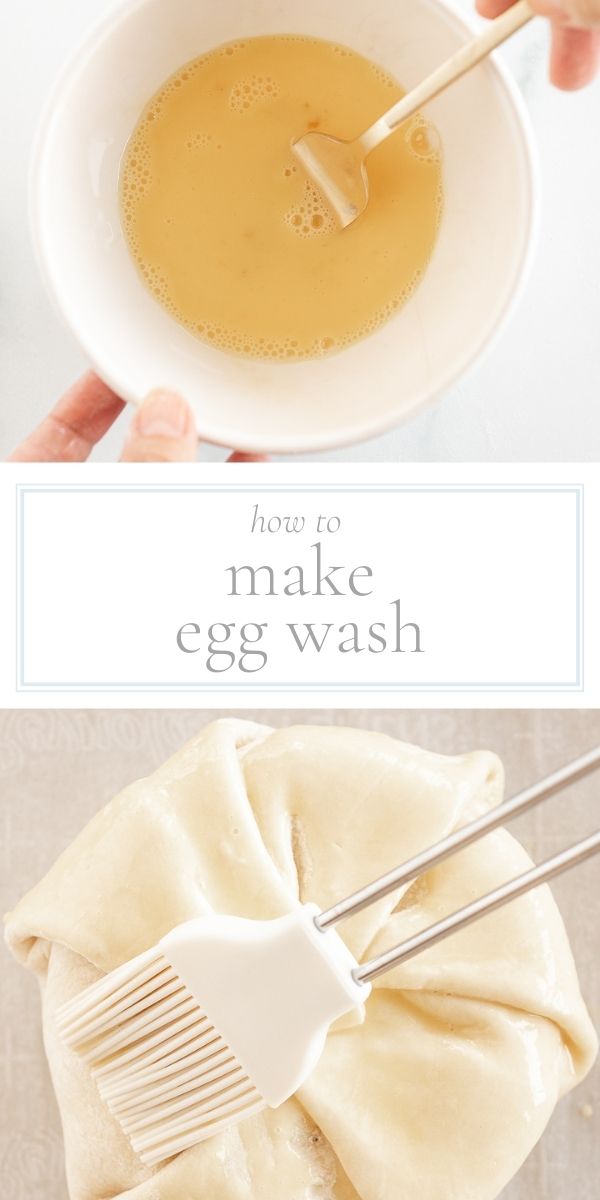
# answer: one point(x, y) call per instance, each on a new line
point(534, 398)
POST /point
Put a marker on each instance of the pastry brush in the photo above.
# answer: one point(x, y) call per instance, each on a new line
point(227, 1016)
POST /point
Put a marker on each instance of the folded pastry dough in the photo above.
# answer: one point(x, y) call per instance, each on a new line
point(443, 1089)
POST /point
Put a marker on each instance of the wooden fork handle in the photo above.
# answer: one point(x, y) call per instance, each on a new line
point(497, 32)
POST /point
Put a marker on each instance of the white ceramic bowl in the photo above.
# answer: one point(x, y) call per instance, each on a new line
point(479, 262)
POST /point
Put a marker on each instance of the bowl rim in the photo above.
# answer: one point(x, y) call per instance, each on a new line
point(364, 429)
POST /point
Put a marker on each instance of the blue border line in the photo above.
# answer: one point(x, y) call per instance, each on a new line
point(330, 687)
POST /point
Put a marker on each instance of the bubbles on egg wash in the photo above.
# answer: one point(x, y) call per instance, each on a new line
point(231, 49)
point(249, 93)
point(227, 233)
point(311, 217)
point(200, 140)
point(423, 140)
point(270, 349)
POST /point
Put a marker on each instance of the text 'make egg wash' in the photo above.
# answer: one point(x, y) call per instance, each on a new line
point(229, 235)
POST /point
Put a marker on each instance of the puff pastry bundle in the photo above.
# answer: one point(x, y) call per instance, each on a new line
point(450, 1079)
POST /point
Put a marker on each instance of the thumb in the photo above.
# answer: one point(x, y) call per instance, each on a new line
point(163, 430)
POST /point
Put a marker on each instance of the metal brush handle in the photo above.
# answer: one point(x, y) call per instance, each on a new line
point(465, 836)
point(450, 845)
point(479, 908)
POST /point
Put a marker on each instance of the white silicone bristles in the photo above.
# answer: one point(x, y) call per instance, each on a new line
point(225, 1017)
point(161, 1067)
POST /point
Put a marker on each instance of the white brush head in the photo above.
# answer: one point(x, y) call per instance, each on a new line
point(222, 1019)
point(161, 1067)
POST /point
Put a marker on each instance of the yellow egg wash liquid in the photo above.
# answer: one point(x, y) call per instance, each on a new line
point(231, 237)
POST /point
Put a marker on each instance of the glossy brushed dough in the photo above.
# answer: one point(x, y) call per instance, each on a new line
point(285, 776)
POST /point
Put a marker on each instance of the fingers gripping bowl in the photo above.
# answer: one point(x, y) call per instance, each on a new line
point(478, 263)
